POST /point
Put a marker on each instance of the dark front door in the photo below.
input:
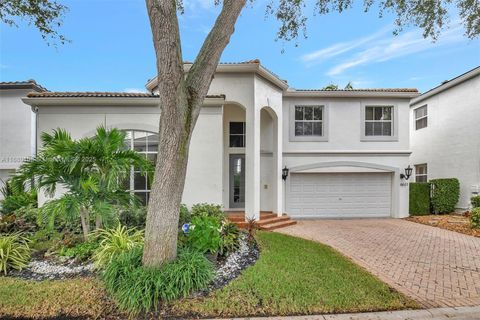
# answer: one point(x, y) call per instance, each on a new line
point(237, 181)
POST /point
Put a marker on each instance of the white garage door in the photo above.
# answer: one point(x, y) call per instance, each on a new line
point(339, 195)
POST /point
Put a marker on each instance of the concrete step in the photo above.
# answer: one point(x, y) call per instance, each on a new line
point(278, 225)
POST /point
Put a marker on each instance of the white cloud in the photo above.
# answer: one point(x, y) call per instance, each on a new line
point(342, 47)
point(134, 90)
point(388, 48)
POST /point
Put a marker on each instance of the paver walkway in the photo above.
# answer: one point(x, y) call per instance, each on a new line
point(436, 267)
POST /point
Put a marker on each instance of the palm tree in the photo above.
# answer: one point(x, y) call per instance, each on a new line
point(92, 170)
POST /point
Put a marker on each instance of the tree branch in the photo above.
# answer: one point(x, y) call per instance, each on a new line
point(201, 74)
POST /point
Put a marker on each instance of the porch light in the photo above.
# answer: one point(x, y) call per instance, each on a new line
point(408, 173)
point(285, 173)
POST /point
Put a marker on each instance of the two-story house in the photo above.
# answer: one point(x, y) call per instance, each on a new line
point(260, 145)
point(17, 126)
point(445, 134)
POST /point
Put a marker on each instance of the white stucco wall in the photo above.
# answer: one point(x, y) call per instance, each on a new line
point(345, 125)
point(450, 144)
point(204, 180)
point(17, 125)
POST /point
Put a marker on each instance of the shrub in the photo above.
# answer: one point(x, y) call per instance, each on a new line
point(82, 251)
point(137, 288)
point(475, 218)
point(185, 216)
point(229, 238)
point(46, 240)
point(419, 198)
point(116, 241)
point(16, 197)
point(204, 234)
point(209, 210)
point(445, 194)
point(14, 252)
point(133, 216)
point(475, 202)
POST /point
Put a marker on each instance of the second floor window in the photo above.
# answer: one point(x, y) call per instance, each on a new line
point(421, 172)
point(421, 117)
point(237, 135)
point(308, 121)
point(379, 121)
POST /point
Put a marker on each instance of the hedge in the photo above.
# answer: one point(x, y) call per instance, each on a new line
point(419, 198)
point(475, 202)
point(445, 194)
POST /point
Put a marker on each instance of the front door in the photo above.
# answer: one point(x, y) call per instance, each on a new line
point(237, 181)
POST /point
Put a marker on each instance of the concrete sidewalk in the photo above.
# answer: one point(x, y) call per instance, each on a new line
point(456, 313)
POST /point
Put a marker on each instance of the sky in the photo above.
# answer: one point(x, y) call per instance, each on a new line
point(111, 48)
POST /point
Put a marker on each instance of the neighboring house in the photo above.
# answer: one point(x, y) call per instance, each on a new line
point(445, 134)
point(345, 149)
point(17, 126)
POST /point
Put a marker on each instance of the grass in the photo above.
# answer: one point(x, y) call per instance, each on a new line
point(83, 297)
point(296, 276)
point(293, 276)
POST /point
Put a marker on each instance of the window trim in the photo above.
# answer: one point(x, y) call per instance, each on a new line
point(424, 117)
point(393, 137)
point(325, 123)
point(423, 174)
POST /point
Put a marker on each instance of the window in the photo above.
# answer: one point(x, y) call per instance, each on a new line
point(237, 135)
point(421, 173)
point(308, 121)
point(146, 143)
point(421, 117)
point(378, 121)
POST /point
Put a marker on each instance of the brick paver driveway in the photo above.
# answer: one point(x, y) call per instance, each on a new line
point(436, 267)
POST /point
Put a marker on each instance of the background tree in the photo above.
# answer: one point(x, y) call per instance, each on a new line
point(182, 95)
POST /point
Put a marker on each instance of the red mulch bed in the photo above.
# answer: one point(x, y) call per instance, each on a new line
point(453, 222)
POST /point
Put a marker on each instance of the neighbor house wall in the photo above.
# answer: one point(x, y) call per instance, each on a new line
point(450, 144)
point(17, 130)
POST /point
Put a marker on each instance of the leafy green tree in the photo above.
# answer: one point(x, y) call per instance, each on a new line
point(92, 170)
point(182, 95)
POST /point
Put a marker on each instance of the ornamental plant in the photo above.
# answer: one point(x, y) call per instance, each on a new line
point(475, 201)
point(419, 198)
point(14, 252)
point(115, 241)
point(204, 234)
point(137, 288)
point(475, 218)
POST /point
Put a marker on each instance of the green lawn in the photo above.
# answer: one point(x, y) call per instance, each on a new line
point(297, 276)
point(292, 276)
point(73, 298)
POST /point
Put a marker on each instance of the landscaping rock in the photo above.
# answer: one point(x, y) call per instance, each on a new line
point(232, 266)
point(53, 269)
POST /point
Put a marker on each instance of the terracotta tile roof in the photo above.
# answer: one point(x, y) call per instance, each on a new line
point(28, 84)
point(96, 94)
point(413, 90)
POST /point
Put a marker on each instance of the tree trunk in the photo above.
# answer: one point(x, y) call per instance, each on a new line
point(98, 222)
point(84, 219)
point(181, 99)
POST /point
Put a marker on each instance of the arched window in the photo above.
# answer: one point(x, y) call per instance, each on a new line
point(145, 143)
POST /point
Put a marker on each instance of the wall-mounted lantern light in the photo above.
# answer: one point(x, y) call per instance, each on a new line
point(408, 173)
point(285, 173)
